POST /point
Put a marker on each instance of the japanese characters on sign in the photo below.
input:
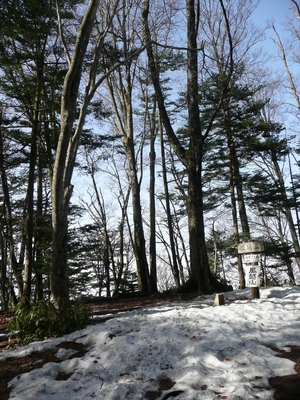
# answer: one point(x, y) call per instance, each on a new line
point(251, 253)
point(252, 275)
point(250, 247)
point(251, 258)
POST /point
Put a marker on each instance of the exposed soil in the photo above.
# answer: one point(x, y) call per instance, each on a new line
point(286, 387)
point(103, 309)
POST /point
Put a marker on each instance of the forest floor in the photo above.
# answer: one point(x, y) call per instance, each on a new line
point(286, 387)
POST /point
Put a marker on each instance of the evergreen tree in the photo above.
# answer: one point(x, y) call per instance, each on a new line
point(33, 68)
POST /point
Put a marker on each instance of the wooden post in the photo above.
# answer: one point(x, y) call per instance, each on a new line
point(254, 293)
point(251, 253)
point(219, 300)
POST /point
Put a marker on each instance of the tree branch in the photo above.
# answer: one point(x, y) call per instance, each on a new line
point(61, 34)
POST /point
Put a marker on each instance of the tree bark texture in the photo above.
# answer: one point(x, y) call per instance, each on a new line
point(9, 238)
point(122, 87)
point(286, 208)
point(139, 241)
point(201, 278)
point(174, 266)
point(153, 267)
point(64, 161)
point(233, 170)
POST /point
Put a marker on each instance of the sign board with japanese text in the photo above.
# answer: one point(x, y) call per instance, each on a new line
point(250, 247)
point(249, 258)
point(252, 275)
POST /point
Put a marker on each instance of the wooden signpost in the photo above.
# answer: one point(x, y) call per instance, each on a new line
point(251, 254)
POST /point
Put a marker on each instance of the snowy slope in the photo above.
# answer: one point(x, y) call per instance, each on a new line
point(205, 352)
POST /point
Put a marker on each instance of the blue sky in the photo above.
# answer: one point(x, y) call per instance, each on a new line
point(275, 11)
point(272, 10)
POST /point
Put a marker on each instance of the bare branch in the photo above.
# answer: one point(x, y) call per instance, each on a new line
point(297, 7)
point(281, 48)
point(62, 35)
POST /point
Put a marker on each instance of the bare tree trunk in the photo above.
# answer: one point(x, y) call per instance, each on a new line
point(39, 225)
point(3, 272)
point(236, 235)
point(201, 277)
point(17, 270)
point(201, 274)
point(286, 207)
point(282, 238)
point(123, 87)
point(174, 266)
point(295, 93)
point(64, 161)
point(139, 240)
point(123, 202)
point(122, 262)
point(152, 246)
point(107, 251)
point(29, 223)
point(233, 186)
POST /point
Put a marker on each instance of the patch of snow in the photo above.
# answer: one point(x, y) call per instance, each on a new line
point(208, 352)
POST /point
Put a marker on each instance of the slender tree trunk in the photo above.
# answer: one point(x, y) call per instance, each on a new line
point(201, 274)
point(282, 239)
point(138, 234)
point(287, 257)
point(287, 208)
point(3, 273)
point(236, 236)
point(121, 264)
point(3, 235)
point(26, 293)
point(125, 121)
point(153, 267)
point(106, 267)
point(107, 251)
point(174, 267)
point(198, 253)
point(296, 206)
point(65, 159)
point(233, 170)
point(139, 238)
point(17, 270)
point(240, 196)
point(201, 278)
point(295, 93)
point(215, 270)
point(39, 225)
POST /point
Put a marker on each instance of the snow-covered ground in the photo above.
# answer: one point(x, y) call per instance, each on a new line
point(207, 352)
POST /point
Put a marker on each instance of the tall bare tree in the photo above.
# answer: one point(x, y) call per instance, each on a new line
point(66, 150)
point(192, 158)
point(121, 84)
